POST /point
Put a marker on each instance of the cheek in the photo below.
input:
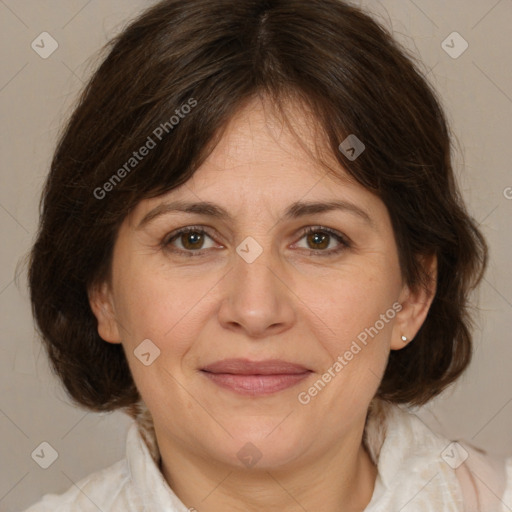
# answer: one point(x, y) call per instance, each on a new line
point(164, 308)
point(168, 314)
point(353, 330)
point(351, 315)
point(351, 298)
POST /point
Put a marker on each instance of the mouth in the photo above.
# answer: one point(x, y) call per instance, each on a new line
point(255, 377)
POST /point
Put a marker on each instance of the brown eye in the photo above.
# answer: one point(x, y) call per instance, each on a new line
point(192, 240)
point(318, 239)
point(189, 241)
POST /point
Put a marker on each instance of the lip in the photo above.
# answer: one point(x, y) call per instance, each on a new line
point(255, 377)
point(248, 367)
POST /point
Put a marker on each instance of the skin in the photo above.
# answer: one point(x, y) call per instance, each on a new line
point(290, 303)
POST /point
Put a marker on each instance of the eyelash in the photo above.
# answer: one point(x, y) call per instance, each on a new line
point(345, 244)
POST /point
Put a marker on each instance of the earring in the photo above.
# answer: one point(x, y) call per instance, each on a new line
point(404, 338)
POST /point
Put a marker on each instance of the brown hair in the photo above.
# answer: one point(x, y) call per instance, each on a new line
point(213, 56)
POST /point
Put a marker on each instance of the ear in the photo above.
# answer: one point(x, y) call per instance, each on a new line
point(102, 305)
point(415, 306)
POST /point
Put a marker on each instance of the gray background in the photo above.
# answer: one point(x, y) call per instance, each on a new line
point(37, 94)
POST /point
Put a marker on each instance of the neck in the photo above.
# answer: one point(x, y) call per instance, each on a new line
point(340, 478)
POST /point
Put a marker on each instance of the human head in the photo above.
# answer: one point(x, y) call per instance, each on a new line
point(320, 54)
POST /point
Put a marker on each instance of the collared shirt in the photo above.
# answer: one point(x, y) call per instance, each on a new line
point(418, 471)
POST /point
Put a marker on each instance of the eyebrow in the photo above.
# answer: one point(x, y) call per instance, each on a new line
point(294, 211)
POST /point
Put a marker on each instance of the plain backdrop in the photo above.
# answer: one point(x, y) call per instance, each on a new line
point(37, 95)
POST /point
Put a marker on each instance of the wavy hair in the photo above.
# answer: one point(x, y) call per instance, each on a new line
point(351, 75)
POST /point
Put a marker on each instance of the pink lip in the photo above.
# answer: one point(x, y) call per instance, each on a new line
point(255, 377)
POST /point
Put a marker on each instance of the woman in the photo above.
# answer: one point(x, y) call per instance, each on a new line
point(252, 242)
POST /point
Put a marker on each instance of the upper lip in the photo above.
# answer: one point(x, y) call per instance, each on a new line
point(247, 367)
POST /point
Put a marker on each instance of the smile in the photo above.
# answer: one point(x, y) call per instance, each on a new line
point(256, 384)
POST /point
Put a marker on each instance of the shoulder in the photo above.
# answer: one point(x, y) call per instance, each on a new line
point(485, 479)
point(106, 490)
point(429, 472)
point(129, 485)
point(507, 498)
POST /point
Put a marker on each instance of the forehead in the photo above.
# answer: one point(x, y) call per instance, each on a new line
point(263, 160)
point(258, 137)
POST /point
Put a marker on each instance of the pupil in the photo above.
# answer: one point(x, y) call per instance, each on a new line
point(319, 239)
point(192, 239)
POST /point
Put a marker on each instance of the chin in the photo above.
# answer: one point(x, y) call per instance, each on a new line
point(261, 448)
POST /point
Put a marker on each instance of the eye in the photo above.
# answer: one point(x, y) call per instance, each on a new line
point(191, 239)
point(319, 238)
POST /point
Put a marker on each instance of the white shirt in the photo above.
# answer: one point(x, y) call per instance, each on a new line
point(418, 471)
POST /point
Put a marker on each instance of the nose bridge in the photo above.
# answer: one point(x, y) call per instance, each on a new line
point(254, 269)
point(254, 263)
point(256, 297)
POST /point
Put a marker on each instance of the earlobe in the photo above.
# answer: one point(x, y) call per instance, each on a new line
point(100, 300)
point(415, 307)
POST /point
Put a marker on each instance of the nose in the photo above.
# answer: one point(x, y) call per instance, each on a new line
point(257, 299)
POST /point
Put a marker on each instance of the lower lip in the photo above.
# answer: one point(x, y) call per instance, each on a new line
point(256, 384)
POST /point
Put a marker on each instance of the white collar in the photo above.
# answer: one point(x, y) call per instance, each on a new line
point(412, 475)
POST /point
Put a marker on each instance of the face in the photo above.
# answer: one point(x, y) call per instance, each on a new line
point(321, 290)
